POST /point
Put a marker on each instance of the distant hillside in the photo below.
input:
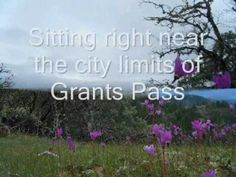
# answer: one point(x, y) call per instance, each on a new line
point(225, 95)
point(193, 100)
point(227, 100)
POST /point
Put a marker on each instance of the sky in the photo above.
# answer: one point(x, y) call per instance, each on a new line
point(19, 17)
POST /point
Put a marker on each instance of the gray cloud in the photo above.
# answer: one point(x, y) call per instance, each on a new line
point(17, 18)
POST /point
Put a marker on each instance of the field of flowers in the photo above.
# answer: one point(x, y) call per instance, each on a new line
point(36, 157)
point(208, 151)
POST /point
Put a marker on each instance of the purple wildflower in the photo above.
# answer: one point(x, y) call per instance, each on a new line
point(179, 68)
point(146, 102)
point(195, 134)
point(233, 126)
point(71, 144)
point(209, 125)
point(179, 71)
point(219, 134)
point(158, 112)
point(150, 107)
point(165, 138)
point(161, 103)
point(227, 129)
point(176, 130)
point(151, 150)
point(59, 132)
point(222, 81)
point(211, 173)
point(197, 125)
point(157, 129)
point(199, 128)
point(95, 134)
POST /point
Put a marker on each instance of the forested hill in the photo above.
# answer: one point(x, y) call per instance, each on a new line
point(37, 112)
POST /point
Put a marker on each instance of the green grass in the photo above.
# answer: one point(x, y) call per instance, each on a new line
point(19, 157)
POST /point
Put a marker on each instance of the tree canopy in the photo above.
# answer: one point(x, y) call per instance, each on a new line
point(5, 77)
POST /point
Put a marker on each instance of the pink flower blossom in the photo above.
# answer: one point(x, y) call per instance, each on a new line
point(234, 126)
point(161, 102)
point(176, 130)
point(59, 132)
point(151, 150)
point(146, 102)
point(166, 138)
point(199, 128)
point(150, 107)
point(222, 81)
point(211, 173)
point(179, 70)
point(157, 129)
point(95, 134)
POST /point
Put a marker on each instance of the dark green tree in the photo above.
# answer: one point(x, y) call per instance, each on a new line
point(5, 77)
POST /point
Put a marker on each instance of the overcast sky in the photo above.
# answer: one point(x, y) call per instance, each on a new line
point(99, 16)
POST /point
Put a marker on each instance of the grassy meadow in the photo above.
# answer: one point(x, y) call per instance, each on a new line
point(40, 137)
point(30, 156)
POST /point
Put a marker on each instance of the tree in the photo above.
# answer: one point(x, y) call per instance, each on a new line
point(196, 17)
point(234, 7)
point(230, 39)
point(5, 77)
